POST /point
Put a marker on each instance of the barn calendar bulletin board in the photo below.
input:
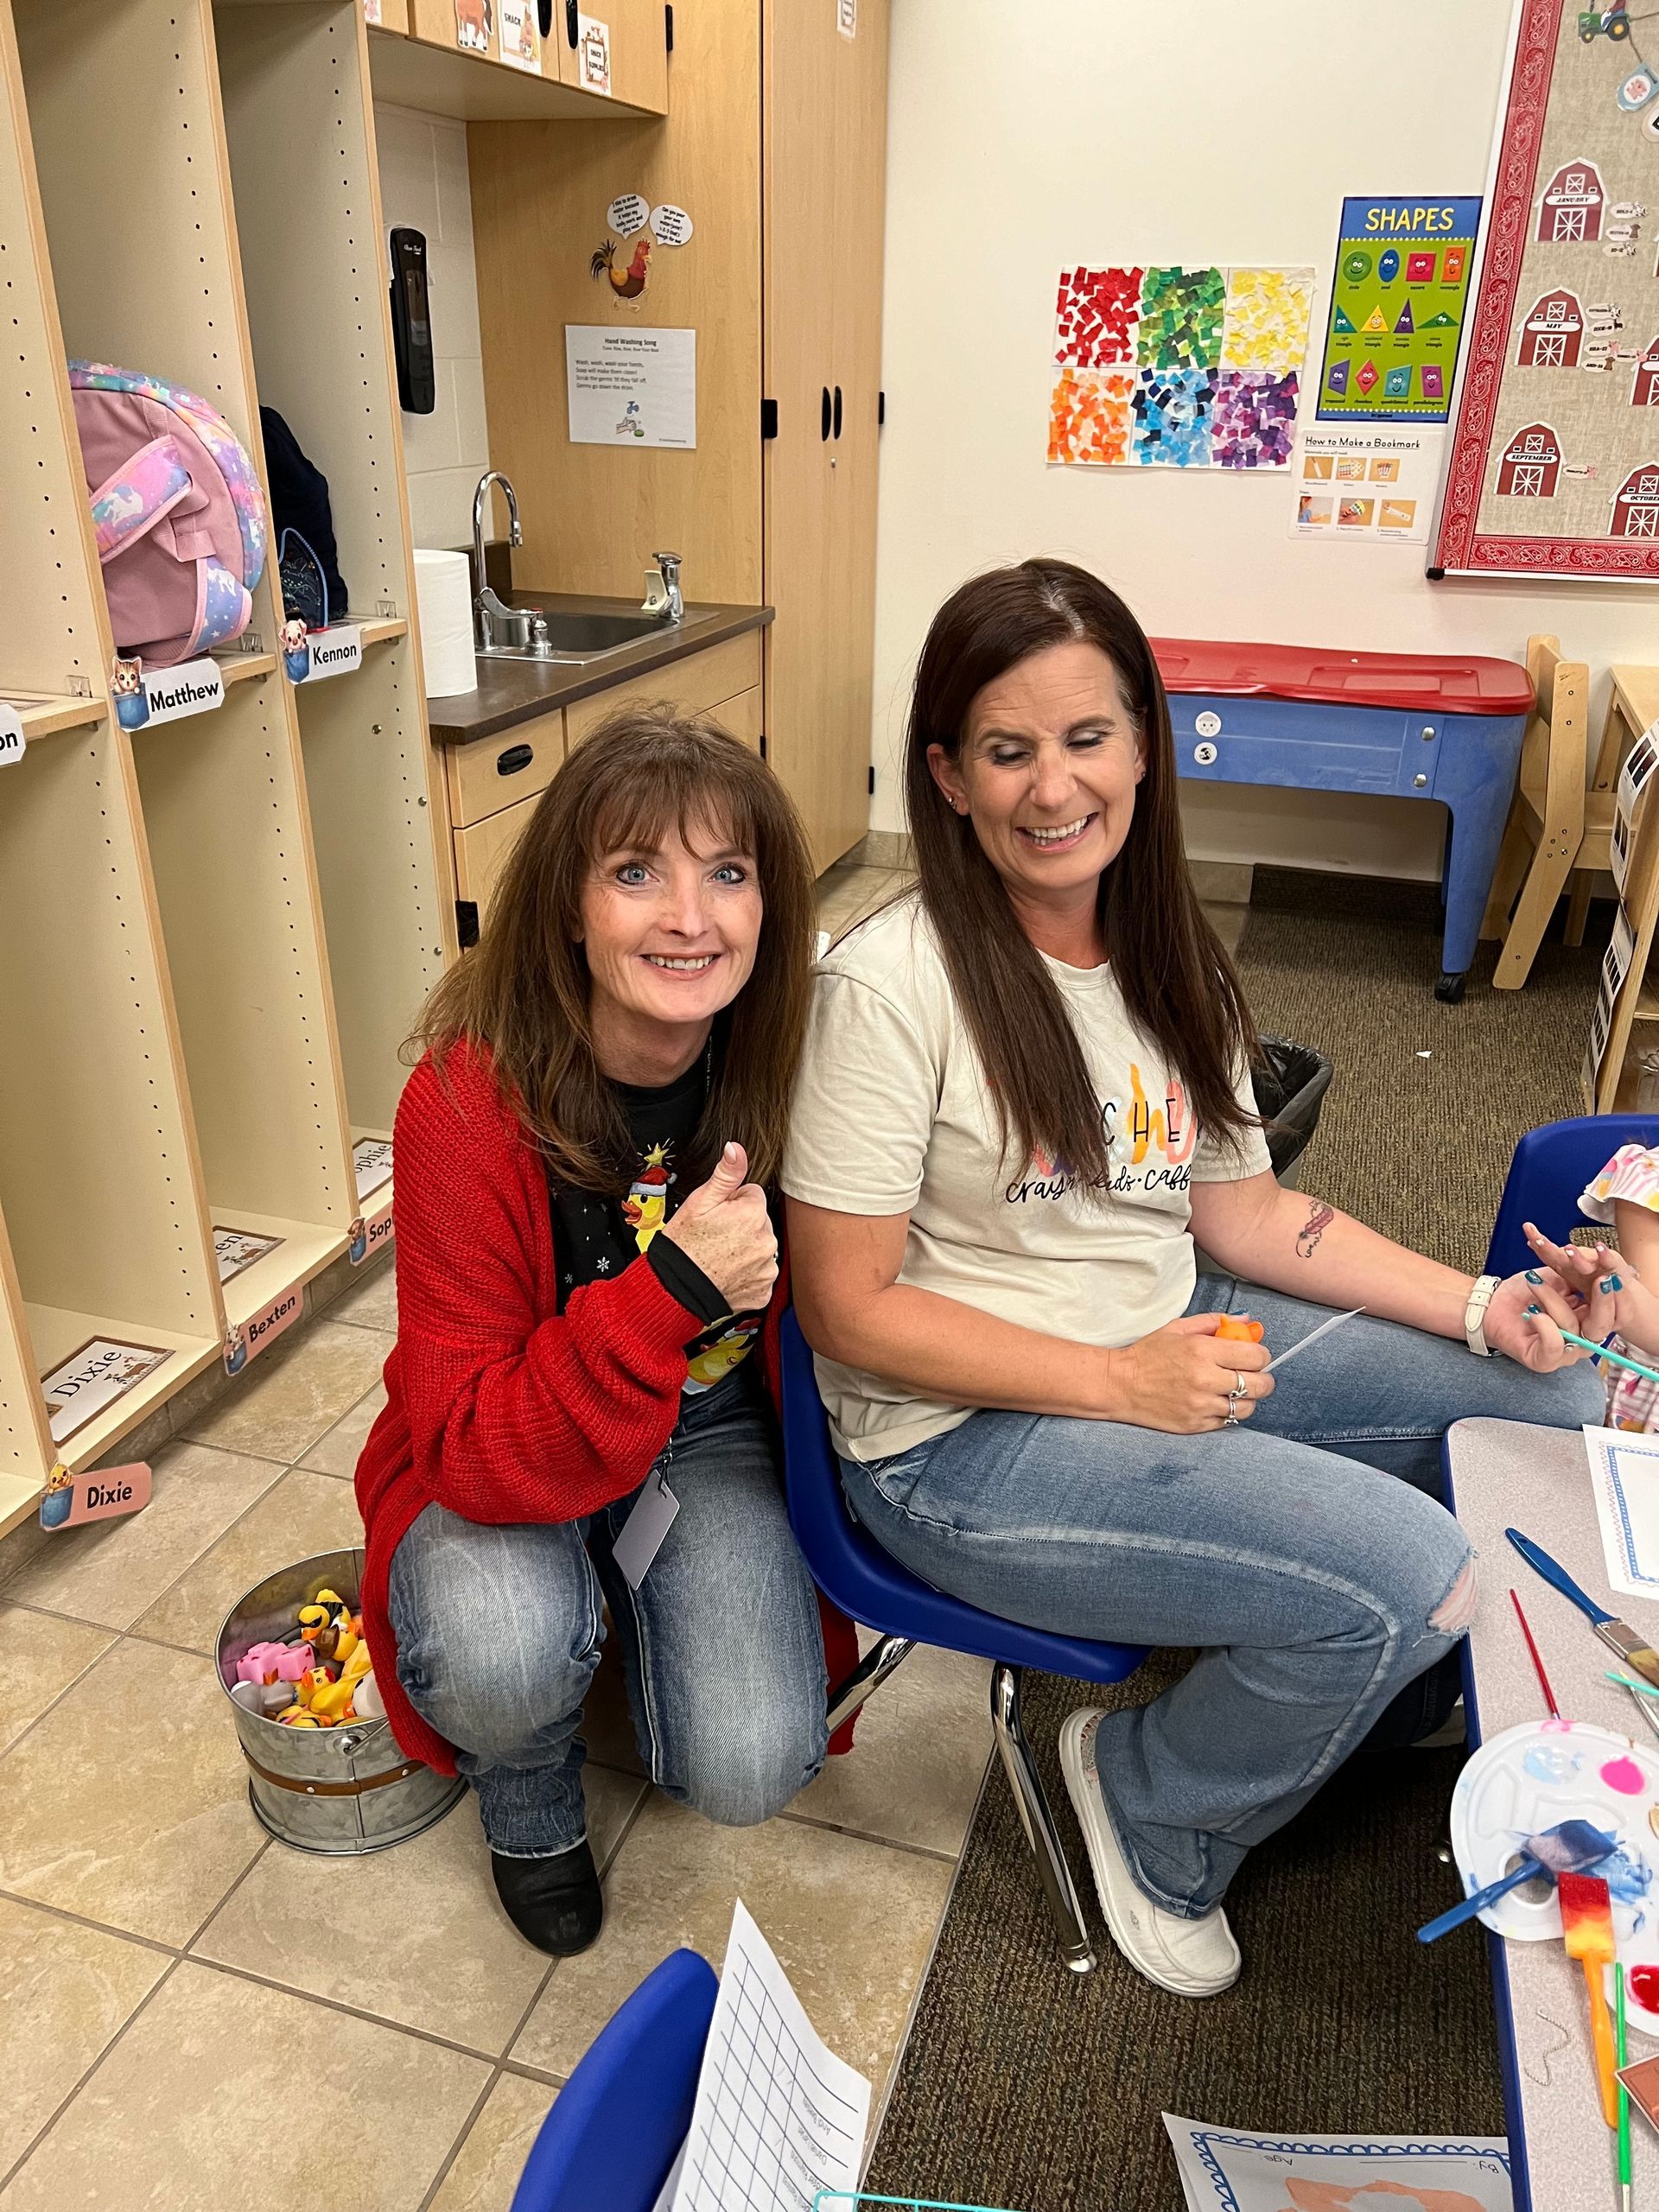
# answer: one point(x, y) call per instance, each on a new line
point(1554, 468)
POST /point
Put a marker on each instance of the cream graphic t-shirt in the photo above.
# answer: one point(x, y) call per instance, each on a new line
point(892, 1115)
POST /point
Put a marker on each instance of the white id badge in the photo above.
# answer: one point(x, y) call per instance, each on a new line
point(642, 1533)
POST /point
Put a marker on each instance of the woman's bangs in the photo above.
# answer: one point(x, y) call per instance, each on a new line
point(710, 810)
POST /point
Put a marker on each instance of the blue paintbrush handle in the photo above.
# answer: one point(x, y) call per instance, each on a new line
point(1556, 1575)
point(1478, 1901)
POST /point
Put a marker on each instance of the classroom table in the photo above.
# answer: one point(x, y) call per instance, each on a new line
point(1427, 725)
point(1502, 1474)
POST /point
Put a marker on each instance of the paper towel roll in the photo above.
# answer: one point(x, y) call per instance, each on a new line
point(443, 594)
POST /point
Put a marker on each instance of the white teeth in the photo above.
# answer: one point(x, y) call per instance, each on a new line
point(1053, 836)
point(661, 960)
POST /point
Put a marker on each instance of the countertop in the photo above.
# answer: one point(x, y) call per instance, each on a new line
point(511, 691)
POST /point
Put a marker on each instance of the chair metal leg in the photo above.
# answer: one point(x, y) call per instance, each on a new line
point(1032, 1804)
point(872, 1670)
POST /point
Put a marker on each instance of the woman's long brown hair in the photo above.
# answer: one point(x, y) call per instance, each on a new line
point(522, 992)
point(1178, 984)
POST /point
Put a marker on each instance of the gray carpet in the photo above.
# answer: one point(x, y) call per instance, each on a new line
point(1021, 2088)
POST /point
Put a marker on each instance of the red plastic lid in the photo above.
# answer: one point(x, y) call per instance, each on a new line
point(1453, 683)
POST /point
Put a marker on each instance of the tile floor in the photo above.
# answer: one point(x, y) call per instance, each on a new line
point(186, 1998)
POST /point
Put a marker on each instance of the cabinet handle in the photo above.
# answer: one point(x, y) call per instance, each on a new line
point(515, 758)
point(570, 22)
point(545, 17)
point(824, 412)
point(837, 429)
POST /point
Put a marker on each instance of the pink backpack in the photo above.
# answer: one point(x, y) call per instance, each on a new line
point(179, 514)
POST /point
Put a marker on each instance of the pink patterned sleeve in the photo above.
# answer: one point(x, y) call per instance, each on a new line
point(1633, 1174)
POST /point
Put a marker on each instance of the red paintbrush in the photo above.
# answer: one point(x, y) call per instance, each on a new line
point(1538, 1664)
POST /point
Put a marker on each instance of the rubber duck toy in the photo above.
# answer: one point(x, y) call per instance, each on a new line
point(334, 1702)
point(267, 1699)
point(1240, 1328)
point(297, 1717)
point(366, 1700)
point(327, 1626)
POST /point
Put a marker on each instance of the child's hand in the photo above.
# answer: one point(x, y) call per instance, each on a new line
point(1612, 1294)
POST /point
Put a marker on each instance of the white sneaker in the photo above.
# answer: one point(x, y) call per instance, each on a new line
point(1193, 1958)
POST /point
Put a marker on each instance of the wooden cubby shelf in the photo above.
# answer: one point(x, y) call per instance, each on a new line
point(46, 717)
point(220, 929)
point(375, 795)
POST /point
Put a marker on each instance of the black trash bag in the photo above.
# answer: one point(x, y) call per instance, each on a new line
point(1290, 1087)
point(312, 589)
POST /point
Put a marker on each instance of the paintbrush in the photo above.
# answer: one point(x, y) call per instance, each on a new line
point(1618, 1636)
point(1623, 2093)
point(1537, 1663)
point(1587, 1929)
point(1565, 1849)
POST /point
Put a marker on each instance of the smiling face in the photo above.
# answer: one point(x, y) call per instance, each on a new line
point(671, 934)
point(1046, 771)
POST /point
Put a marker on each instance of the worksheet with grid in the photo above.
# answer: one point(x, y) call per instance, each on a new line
point(777, 2117)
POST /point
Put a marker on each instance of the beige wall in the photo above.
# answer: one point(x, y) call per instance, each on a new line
point(423, 186)
point(1105, 130)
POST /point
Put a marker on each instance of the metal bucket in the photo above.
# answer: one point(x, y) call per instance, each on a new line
point(341, 1791)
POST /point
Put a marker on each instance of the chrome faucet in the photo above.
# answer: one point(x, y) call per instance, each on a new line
point(662, 597)
point(496, 624)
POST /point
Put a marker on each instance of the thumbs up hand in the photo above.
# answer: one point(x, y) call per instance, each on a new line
point(725, 1227)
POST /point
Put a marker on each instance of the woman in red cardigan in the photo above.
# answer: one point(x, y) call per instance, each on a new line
point(588, 1285)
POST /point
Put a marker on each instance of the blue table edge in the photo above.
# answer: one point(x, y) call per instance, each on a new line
point(1509, 2061)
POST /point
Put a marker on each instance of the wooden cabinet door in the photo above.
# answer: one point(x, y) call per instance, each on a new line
point(483, 850)
point(861, 221)
point(824, 126)
point(638, 45)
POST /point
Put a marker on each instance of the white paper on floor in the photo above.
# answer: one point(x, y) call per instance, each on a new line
point(1225, 2170)
point(778, 2116)
point(1625, 1475)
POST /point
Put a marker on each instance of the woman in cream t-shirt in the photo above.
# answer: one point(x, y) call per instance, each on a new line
point(1023, 1095)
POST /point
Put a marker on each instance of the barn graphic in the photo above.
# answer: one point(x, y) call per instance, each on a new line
point(1531, 464)
point(1569, 213)
point(1551, 333)
point(1636, 503)
point(1644, 389)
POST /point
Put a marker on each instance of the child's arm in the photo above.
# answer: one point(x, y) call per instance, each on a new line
point(1609, 1279)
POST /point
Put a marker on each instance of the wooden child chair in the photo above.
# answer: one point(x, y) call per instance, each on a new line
point(1556, 827)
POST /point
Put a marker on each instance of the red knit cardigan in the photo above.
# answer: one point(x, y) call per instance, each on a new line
point(498, 1406)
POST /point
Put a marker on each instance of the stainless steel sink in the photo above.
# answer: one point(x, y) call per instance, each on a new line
point(581, 637)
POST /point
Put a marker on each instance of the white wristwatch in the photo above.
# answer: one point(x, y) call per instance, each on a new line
point(1474, 1316)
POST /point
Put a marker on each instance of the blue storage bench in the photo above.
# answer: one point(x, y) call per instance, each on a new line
point(1428, 725)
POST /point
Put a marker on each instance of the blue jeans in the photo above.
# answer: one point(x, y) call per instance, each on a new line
point(498, 1631)
point(1305, 1554)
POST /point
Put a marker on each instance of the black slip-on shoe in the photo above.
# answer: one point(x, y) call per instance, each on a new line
point(555, 1904)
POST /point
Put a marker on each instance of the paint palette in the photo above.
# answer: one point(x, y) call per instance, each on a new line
point(1533, 1777)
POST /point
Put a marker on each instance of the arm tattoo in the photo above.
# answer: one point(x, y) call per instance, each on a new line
point(1319, 1218)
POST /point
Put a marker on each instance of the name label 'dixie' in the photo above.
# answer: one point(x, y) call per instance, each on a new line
point(263, 1328)
point(70, 1501)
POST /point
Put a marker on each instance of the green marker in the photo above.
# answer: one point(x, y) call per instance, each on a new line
point(1619, 2052)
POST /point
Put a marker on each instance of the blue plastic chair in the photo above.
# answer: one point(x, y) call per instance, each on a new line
point(870, 1586)
point(1551, 1166)
point(622, 2118)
